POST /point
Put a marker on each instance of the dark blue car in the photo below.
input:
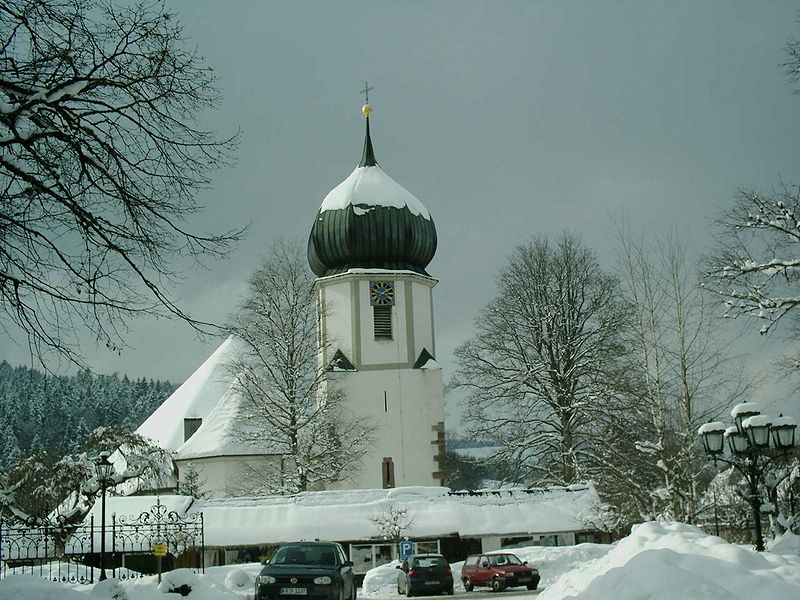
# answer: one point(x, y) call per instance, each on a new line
point(307, 570)
point(424, 574)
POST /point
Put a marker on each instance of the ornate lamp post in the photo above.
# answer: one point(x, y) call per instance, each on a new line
point(104, 470)
point(749, 449)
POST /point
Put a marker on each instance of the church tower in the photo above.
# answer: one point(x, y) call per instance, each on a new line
point(369, 246)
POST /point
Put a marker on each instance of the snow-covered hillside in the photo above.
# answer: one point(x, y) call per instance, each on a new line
point(656, 562)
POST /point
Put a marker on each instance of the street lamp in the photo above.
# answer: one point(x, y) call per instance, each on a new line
point(104, 470)
point(749, 449)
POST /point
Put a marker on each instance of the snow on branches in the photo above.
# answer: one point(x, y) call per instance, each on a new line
point(100, 159)
point(756, 267)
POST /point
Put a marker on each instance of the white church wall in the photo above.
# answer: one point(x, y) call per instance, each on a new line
point(226, 476)
point(337, 318)
point(403, 408)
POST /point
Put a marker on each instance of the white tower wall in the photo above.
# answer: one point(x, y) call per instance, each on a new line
point(404, 404)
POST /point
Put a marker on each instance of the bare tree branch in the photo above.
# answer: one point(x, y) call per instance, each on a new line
point(101, 160)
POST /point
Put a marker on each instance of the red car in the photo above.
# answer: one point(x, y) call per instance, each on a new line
point(498, 571)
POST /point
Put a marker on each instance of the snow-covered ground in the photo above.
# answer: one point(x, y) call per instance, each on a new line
point(656, 562)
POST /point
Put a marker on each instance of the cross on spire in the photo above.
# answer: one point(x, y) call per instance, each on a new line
point(365, 91)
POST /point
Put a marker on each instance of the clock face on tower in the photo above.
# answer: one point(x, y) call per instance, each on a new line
point(381, 293)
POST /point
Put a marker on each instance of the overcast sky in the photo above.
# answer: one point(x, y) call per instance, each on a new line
point(508, 120)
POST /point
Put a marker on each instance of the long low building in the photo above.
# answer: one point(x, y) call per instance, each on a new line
point(435, 518)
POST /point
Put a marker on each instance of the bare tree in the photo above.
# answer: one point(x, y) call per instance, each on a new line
point(100, 161)
point(293, 410)
point(543, 360)
point(680, 375)
point(392, 521)
point(756, 266)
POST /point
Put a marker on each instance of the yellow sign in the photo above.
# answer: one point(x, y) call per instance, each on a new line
point(159, 549)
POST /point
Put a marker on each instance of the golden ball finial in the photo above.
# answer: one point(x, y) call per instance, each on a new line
point(366, 110)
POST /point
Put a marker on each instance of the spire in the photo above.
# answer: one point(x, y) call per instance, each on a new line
point(368, 156)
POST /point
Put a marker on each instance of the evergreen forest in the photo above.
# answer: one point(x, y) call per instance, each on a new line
point(56, 413)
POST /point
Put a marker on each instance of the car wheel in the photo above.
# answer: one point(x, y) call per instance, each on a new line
point(468, 587)
point(497, 585)
point(531, 586)
point(409, 593)
point(449, 591)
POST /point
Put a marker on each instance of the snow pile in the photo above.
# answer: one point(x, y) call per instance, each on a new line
point(675, 561)
point(381, 582)
point(30, 587)
point(788, 543)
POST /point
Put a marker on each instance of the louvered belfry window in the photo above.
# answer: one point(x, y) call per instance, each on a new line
point(382, 321)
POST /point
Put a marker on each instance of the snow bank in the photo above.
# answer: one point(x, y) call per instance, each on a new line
point(381, 582)
point(29, 587)
point(675, 561)
point(656, 562)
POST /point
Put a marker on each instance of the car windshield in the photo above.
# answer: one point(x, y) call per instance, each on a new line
point(430, 561)
point(498, 560)
point(304, 554)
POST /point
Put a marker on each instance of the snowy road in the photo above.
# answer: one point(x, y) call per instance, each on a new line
point(477, 594)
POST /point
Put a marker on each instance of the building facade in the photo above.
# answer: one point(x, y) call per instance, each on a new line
point(369, 246)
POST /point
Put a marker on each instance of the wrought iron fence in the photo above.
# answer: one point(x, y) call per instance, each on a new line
point(71, 553)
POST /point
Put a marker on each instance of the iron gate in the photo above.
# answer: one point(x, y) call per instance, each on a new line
point(69, 553)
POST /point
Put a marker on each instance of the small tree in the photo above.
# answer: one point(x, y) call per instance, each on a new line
point(191, 484)
point(100, 161)
point(292, 410)
point(391, 522)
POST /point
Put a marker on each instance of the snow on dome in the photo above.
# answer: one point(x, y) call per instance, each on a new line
point(195, 398)
point(367, 187)
point(783, 421)
point(711, 427)
point(732, 430)
point(745, 408)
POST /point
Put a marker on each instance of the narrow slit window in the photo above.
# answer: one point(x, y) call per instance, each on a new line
point(382, 321)
point(388, 472)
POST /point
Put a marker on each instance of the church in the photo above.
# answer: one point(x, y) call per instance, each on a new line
point(370, 244)
point(369, 247)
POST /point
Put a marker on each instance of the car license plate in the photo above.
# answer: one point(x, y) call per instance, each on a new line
point(523, 579)
point(431, 583)
point(293, 591)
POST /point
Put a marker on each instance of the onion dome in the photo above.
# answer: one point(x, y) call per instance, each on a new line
point(369, 221)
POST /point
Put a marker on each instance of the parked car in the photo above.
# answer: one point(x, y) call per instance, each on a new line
point(424, 574)
point(498, 571)
point(318, 570)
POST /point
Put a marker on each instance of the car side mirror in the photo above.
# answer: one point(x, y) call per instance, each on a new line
point(524, 562)
point(265, 562)
point(347, 563)
point(399, 567)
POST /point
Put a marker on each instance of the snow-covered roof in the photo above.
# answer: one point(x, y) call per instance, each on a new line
point(223, 431)
point(196, 398)
point(367, 187)
point(345, 515)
